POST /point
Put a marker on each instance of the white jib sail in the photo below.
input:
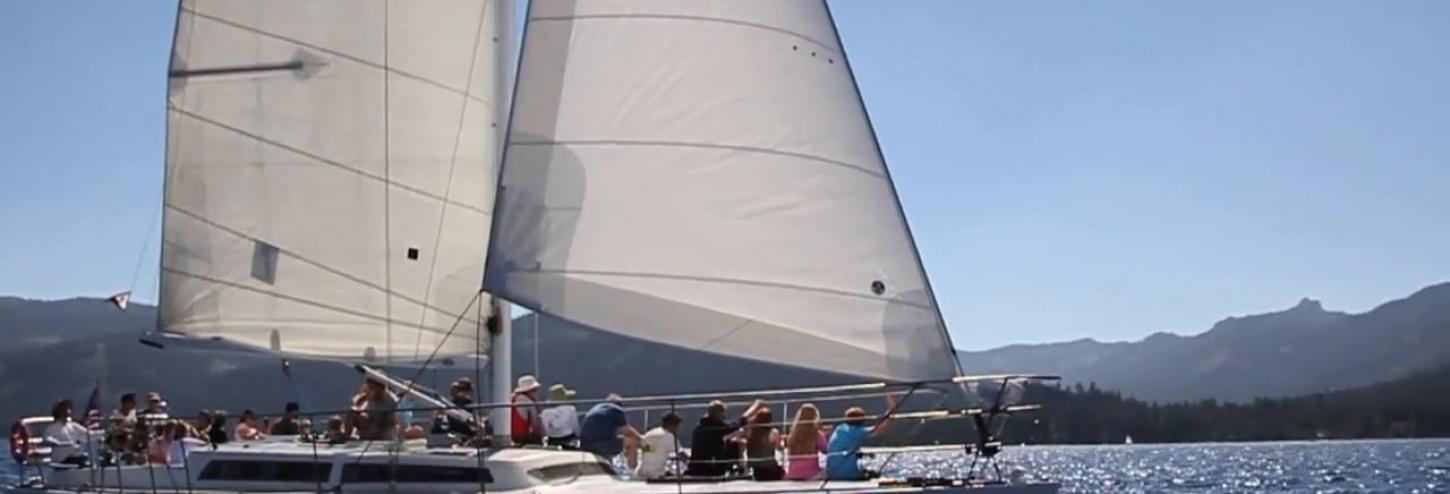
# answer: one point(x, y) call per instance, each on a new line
point(330, 175)
point(703, 173)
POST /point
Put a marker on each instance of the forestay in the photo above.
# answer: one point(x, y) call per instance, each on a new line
point(330, 174)
point(704, 174)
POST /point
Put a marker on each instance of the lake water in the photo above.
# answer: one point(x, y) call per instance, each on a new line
point(1399, 467)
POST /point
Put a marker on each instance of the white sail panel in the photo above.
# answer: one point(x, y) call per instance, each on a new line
point(704, 174)
point(330, 175)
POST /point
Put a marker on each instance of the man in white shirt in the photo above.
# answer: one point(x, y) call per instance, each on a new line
point(658, 446)
point(68, 440)
point(561, 422)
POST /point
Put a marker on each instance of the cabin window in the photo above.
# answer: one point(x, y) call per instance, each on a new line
point(250, 470)
point(555, 473)
point(367, 473)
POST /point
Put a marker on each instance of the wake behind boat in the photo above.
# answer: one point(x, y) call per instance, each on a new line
point(701, 174)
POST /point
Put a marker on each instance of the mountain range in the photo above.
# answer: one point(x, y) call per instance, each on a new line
point(61, 348)
point(1304, 349)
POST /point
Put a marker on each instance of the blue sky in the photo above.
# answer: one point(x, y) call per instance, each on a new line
point(1101, 169)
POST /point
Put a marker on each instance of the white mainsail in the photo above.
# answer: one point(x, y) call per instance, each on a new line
point(330, 175)
point(704, 174)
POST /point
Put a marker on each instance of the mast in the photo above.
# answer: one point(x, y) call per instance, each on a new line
point(500, 352)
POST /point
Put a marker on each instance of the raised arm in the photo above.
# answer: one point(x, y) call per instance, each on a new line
point(885, 423)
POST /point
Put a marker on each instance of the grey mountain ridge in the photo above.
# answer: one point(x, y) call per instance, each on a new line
point(1300, 350)
point(60, 348)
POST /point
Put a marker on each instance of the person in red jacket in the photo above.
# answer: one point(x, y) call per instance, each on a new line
point(526, 428)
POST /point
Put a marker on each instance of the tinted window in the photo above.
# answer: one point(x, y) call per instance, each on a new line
point(571, 470)
point(365, 473)
point(284, 471)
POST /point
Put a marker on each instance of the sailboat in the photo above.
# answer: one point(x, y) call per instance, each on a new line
point(702, 174)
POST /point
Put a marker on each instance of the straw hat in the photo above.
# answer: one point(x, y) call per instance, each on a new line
point(560, 392)
point(527, 383)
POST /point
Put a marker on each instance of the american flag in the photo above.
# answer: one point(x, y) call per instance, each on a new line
point(93, 408)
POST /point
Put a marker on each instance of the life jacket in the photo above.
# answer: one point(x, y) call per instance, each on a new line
point(19, 442)
point(522, 427)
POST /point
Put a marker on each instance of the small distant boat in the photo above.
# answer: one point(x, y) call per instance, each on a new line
point(1128, 439)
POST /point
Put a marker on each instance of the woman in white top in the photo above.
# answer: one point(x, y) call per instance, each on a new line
point(561, 422)
point(67, 438)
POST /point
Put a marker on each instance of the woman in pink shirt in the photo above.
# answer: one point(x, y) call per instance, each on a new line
point(804, 445)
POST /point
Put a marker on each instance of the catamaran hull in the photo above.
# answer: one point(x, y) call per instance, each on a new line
point(143, 479)
point(235, 468)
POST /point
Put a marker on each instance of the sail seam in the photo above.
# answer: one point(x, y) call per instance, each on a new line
point(712, 279)
point(327, 161)
point(353, 58)
point(300, 300)
point(727, 334)
point(701, 145)
point(385, 291)
point(692, 18)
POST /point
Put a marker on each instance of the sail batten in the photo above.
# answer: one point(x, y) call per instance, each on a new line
point(330, 175)
point(702, 174)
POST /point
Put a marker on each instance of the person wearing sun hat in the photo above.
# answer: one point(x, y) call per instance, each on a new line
point(524, 413)
point(561, 421)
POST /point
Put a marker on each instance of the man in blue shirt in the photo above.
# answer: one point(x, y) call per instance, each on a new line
point(605, 431)
point(846, 441)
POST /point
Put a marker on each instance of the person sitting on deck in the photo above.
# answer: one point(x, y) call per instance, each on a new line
point(461, 392)
point(65, 437)
point(202, 423)
point(247, 429)
point(336, 431)
point(605, 431)
point(374, 411)
point(291, 423)
point(711, 455)
point(124, 418)
point(154, 404)
point(159, 450)
point(183, 442)
point(216, 432)
point(121, 434)
point(804, 444)
point(465, 428)
point(658, 446)
point(842, 451)
point(524, 412)
point(415, 431)
point(762, 439)
point(561, 421)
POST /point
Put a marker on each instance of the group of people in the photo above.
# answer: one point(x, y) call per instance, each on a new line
point(721, 447)
point(134, 435)
point(720, 443)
